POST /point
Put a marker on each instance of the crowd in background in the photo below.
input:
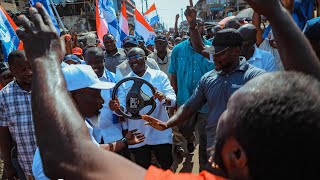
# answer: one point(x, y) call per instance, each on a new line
point(195, 74)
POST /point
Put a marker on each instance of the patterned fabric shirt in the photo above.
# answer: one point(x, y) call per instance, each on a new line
point(16, 114)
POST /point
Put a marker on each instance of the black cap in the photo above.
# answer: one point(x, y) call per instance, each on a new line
point(160, 37)
point(224, 39)
point(4, 67)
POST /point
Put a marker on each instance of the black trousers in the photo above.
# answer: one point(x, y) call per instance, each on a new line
point(163, 153)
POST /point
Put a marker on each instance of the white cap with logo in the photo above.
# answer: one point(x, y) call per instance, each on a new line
point(82, 76)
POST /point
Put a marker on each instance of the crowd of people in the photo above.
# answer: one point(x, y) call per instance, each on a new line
point(253, 99)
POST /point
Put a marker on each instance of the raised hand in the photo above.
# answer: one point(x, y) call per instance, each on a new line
point(155, 123)
point(177, 17)
point(191, 16)
point(133, 137)
point(39, 35)
point(264, 7)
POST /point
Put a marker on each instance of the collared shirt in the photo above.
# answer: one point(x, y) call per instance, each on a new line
point(110, 129)
point(112, 61)
point(189, 66)
point(16, 114)
point(152, 136)
point(216, 88)
point(263, 60)
point(163, 64)
point(124, 68)
point(37, 168)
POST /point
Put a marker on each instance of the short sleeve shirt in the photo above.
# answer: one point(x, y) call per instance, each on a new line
point(112, 61)
point(16, 114)
point(216, 88)
point(154, 173)
point(189, 66)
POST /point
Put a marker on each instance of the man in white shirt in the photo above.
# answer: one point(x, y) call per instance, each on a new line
point(85, 89)
point(109, 128)
point(255, 56)
point(158, 142)
point(124, 69)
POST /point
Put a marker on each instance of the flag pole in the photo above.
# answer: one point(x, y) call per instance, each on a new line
point(57, 14)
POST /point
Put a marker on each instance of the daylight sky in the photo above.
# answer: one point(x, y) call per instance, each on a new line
point(167, 9)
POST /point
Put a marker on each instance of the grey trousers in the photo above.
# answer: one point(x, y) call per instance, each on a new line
point(197, 121)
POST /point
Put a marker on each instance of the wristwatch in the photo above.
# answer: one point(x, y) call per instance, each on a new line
point(125, 141)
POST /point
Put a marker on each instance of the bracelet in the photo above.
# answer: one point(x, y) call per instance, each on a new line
point(125, 141)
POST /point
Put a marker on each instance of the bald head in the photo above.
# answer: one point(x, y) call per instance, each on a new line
point(274, 117)
point(135, 51)
point(248, 32)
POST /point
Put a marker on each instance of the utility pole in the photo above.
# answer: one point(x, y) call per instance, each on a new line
point(182, 15)
point(237, 5)
point(142, 6)
point(147, 6)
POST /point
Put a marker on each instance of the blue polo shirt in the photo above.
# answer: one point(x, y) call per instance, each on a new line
point(189, 66)
point(216, 88)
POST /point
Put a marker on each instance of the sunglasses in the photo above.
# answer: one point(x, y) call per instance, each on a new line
point(222, 51)
point(138, 56)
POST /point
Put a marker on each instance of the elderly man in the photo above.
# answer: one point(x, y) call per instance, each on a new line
point(113, 55)
point(124, 68)
point(156, 141)
point(16, 115)
point(162, 54)
point(253, 55)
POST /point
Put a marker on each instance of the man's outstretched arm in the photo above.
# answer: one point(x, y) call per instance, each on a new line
point(295, 51)
point(69, 153)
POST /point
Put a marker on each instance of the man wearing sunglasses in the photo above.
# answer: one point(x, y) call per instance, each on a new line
point(157, 141)
point(124, 69)
point(215, 87)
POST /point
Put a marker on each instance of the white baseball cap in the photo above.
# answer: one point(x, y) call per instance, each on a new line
point(82, 76)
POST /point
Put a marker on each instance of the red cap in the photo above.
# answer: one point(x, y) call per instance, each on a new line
point(77, 51)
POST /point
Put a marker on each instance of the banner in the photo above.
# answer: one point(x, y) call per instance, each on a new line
point(123, 23)
point(142, 27)
point(151, 15)
point(107, 20)
point(8, 37)
point(46, 5)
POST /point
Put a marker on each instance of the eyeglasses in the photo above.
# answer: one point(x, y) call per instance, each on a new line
point(138, 56)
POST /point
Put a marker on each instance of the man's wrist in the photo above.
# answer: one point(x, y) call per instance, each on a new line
point(193, 27)
point(125, 141)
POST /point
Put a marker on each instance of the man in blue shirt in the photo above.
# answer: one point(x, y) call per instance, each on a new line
point(216, 86)
point(252, 54)
point(186, 69)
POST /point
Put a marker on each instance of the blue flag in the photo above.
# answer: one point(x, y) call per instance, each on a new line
point(8, 37)
point(107, 14)
point(46, 5)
